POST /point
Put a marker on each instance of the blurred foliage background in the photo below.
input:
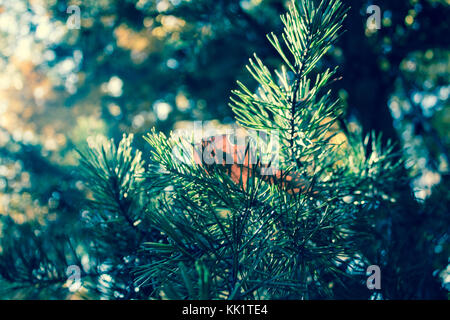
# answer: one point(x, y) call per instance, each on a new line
point(134, 65)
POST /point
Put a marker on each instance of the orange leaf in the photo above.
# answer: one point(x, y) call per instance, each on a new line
point(239, 164)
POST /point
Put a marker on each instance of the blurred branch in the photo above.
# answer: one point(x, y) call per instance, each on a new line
point(419, 118)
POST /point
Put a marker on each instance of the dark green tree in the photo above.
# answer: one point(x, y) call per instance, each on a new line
point(259, 238)
point(185, 230)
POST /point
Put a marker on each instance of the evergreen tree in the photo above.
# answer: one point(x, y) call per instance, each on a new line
point(189, 226)
point(255, 238)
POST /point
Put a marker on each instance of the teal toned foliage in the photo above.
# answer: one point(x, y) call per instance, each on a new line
point(261, 241)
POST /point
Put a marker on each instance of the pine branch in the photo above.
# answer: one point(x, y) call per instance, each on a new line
point(308, 34)
point(188, 229)
point(253, 238)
